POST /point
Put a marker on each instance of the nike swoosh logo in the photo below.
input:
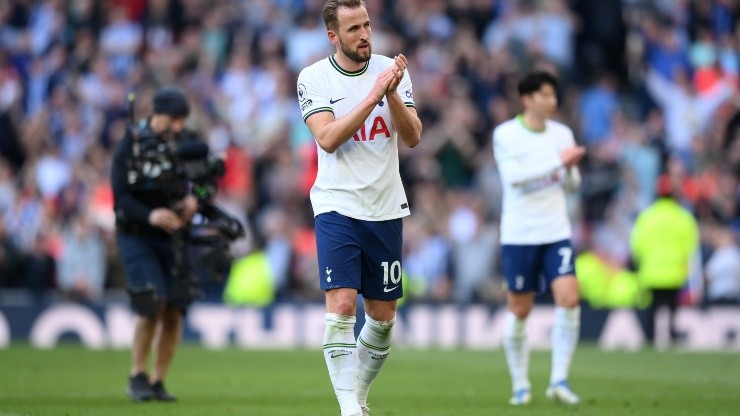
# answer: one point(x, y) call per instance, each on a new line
point(336, 101)
point(386, 290)
point(338, 354)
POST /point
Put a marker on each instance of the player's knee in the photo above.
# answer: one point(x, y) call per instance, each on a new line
point(522, 313)
point(343, 307)
point(568, 301)
point(565, 291)
point(381, 311)
point(520, 310)
point(573, 302)
point(341, 301)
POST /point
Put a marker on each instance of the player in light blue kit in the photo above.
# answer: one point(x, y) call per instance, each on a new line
point(537, 159)
point(357, 105)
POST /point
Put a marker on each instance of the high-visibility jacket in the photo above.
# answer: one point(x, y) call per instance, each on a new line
point(251, 282)
point(664, 239)
point(604, 286)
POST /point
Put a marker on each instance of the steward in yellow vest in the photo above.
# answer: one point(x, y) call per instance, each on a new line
point(664, 239)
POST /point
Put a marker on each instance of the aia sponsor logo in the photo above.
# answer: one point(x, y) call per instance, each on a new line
point(379, 128)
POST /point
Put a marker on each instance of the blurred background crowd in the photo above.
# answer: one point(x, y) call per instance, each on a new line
point(648, 86)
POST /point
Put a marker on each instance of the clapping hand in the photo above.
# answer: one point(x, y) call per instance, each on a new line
point(399, 69)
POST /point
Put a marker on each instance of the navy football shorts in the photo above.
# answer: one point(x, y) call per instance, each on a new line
point(362, 255)
point(533, 268)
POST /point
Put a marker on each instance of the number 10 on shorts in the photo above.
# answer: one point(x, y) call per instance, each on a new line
point(394, 272)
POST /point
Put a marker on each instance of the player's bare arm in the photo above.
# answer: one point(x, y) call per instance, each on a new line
point(524, 175)
point(330, 132)
point(404, 118)
point(518, 173)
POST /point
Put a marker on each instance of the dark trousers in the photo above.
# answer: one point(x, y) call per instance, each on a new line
point(661, 297)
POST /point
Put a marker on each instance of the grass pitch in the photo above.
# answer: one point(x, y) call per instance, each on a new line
point(70, 380)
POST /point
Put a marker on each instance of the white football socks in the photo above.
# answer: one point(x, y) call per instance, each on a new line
point(564, 340)
point(373, 346)
point(517, 352)
point(340, 354)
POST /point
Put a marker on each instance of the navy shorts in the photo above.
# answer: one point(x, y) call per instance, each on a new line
point(362, 255)
point(148, 263)
point(532, 268)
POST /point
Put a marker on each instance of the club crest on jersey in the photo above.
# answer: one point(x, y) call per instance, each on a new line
point(301, 92)
point(379, 127)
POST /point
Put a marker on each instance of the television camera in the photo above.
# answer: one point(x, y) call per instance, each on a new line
point(174, 169)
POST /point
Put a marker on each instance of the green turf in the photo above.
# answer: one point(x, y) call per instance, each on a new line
point(73, 381)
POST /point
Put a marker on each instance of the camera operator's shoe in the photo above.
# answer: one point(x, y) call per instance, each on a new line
point(139, 389)
point(160, 393)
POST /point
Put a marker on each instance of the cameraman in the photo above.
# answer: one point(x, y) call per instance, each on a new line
point(149, 209)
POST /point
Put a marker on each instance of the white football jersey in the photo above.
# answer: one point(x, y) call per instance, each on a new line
point(361, 178)
point(533, 180)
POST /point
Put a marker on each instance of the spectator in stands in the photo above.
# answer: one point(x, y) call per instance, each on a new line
point(81, 265)
point(38, 267)
point(474, 253)
point(722, 271)
point(598, 105)
point(687, 112)
point(10, 260)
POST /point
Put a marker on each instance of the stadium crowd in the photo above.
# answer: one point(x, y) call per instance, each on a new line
point(649, 86)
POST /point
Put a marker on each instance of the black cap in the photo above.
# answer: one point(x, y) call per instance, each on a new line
point(172, 102)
